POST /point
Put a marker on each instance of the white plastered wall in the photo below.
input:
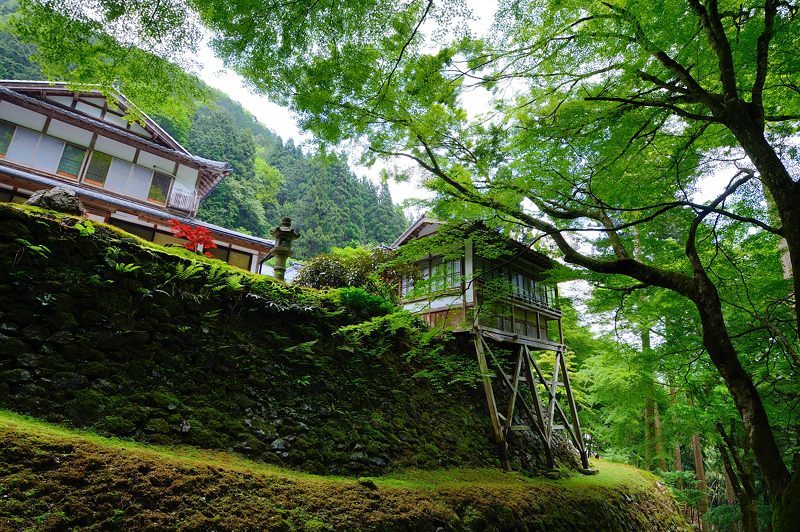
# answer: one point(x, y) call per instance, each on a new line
point(20, 115)
point(70, 133)
point(115, 149)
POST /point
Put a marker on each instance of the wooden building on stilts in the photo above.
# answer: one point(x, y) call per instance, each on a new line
point(476, 282)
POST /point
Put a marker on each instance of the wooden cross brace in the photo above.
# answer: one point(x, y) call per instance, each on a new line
point(528, 371)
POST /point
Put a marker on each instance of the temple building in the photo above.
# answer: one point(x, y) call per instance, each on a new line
point(128, 173)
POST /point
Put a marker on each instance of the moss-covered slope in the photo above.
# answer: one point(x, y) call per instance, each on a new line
point(101, 330)
point(55, 479)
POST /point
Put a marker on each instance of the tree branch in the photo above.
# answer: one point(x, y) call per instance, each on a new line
point(762, 57)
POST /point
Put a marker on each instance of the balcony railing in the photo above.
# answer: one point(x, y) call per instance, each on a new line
point(539, 297)
point(183, 200)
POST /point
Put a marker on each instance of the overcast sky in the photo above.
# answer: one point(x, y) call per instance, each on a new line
point(281, 121)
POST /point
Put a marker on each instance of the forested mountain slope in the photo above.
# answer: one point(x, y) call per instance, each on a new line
point(272, 178)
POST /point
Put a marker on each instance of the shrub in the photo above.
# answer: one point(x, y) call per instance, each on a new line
point(195, 236)
point(362, 304)
point(365, 268)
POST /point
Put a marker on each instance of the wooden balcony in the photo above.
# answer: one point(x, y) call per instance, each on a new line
point(183, 200)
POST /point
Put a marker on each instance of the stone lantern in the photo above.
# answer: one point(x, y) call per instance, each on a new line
point(283, 234)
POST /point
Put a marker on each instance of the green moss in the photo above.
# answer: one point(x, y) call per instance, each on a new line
point(77, 479)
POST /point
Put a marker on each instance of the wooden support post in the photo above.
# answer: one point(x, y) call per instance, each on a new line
point(514, 391)
point(574, 410)
point(537, 407)
point(491, 404)
point(552, 403)
point(527, 370)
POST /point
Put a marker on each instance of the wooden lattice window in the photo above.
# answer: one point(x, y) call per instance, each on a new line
point(97, 172)
point(71, 161)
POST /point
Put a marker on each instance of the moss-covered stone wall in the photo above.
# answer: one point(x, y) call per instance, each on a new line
point(100, 330)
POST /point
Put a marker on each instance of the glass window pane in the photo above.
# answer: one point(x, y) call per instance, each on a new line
point(159, 188)
point(139, 182)
point(240, 259)
point(119, 174)
point(71, 161)
point(48, 154)
point(23, 146)
point(219, 253)
point(6, 134)
point(161, 238)
point(98, 168)
point(134, 229)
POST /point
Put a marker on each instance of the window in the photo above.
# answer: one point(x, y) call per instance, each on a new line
point(406, 285)
point(71, 161)
point(240, 259)
point(441, 275)
point(448, 274)
point(23, 146)
point(159, 188)
point(146, 233)
point(98, 168)
point(30, 148)
point(6, 134)
point(48, 154)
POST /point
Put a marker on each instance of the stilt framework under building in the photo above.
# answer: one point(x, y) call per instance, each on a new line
point(541, 415)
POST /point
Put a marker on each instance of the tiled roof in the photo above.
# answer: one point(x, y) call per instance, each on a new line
point(215, 170)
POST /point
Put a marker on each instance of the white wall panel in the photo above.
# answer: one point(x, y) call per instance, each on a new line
point(154, 162)
point(63, 100)
point(23, 146)
point(136, 128)
point(116, 120)
point(187, 176)
point(70, 133)
point(20, 115)
point(96, 101)
point(89, 110)
point(117, 149)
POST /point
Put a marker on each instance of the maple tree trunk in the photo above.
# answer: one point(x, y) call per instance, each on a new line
point(748, 129)
point(785, 191)
point(758, 431)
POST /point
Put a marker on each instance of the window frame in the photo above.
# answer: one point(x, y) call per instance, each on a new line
point(84, 161)
point(92, 182)
point(13, 133)
point(168, 192)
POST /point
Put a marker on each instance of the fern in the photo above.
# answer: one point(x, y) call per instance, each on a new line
point(122, 267)
point(38, 250)
point(185, 273)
